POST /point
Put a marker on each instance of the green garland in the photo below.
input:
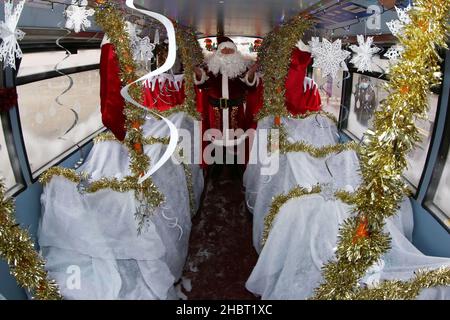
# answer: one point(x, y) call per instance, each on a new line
point(275, 57)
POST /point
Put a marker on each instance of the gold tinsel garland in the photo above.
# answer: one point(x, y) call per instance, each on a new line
point(362, 241)
point(190, 187)
point(300, 146)
point(308, 114)
point(405, 290)
point(108, 136)
point(129, 183)
point(296, 192)
point(111, 20)
point(191, 55)
point(17, 249)
point(275, 56)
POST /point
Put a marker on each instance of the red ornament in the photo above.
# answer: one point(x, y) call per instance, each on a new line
point(8, 98)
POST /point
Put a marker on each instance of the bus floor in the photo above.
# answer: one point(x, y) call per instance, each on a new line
point(221, 255)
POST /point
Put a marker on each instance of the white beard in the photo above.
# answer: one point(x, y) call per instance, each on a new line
point(233, 65)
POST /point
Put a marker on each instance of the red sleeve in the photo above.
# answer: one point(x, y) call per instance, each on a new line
point(255, 100)
point(299, 100)
point(112, 103)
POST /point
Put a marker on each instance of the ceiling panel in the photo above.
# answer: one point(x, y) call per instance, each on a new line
point(240, 17)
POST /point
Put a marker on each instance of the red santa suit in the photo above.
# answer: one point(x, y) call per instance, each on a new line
point(225, 90)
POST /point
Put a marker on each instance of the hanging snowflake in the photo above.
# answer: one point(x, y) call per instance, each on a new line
point(9, 34)
point(394, 53)
point(77, 15)
point(396, 26)
point(143, 49)
point(363, 58)
point(330, 58)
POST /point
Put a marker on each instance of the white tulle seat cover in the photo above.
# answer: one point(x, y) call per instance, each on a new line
point(96, 234)
point(304, 233)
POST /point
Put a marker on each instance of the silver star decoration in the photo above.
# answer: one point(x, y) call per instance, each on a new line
point(330, 58)
point(364, 54)
point(9, 34)
point(396, 26)
point(77, 16)
point(314, 44)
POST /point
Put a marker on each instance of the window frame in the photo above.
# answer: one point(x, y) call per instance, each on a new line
point(343, 122)
point(34, 176)
point(6, 124)
point(443, 153)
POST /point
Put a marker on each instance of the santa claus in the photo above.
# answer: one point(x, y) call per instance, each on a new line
point(225, 83)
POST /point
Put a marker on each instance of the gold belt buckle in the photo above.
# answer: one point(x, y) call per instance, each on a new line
point(223, 103)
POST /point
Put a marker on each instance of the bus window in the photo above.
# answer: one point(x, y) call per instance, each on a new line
point(50, 130)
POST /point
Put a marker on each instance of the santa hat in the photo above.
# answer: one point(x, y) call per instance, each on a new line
point(223, 42)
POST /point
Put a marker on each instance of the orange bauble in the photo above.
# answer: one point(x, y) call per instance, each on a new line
point(362, 231)
point(277, 120)
point(388, 4)
point(138, 147)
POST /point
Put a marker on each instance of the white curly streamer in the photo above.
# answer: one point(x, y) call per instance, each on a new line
point(168, 64)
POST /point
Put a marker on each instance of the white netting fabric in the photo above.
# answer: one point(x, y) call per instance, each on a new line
point(97, 233)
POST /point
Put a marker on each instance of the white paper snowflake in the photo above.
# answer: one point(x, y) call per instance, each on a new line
point(143, 49)
point(394, 53)
point(363, 58)
point(330, 58)
point(77, 16)
point(396, 26)
point(9, 34)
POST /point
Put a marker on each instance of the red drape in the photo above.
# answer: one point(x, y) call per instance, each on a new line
point(112, 103)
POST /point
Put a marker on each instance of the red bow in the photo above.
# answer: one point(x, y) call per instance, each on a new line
point(8, 98)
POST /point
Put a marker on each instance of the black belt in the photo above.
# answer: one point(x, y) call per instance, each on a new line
point(225, 103)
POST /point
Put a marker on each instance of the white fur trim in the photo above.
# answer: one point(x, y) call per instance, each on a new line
point(202, 80)
point(253, 83)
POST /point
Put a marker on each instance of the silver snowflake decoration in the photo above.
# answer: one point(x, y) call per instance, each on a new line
point(328, 191)
point(330, 58)
point(9, 34)
point(77, 16)
point(394, 53)
point(314, 44)
point(396, 26)
point(363, 57)
point(143, 49)
point(85, 183)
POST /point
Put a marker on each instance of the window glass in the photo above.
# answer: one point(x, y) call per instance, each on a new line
point(50, 130)
point(248, 46)
point(330, 91)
